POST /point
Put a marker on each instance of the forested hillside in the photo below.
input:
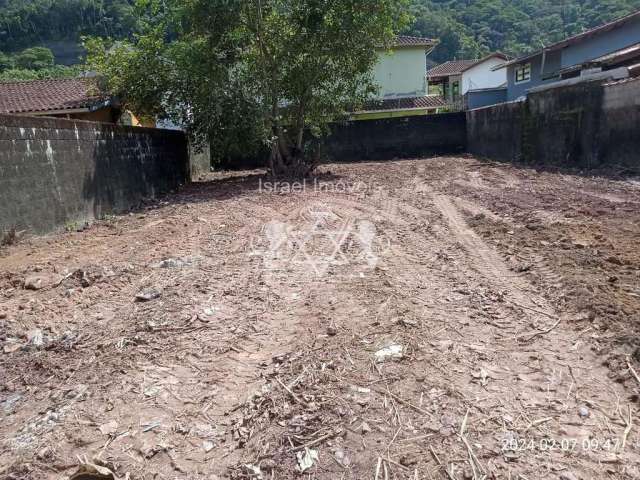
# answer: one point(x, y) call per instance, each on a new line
point(471, 28)
point(467, 28)
point(26, 23)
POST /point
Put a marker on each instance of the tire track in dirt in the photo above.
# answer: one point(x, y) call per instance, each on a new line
point(486, 259)
point(521, 365)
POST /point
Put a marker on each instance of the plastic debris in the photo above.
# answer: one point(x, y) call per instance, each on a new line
point(306, 459)
point(36, 338)
point(391, 352)
point(208, 446)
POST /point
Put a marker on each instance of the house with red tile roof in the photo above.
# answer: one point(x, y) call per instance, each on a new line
point(457, 78)
point(73, 98)
point(399, 74)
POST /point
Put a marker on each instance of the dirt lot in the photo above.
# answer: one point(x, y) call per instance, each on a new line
point(444, 318)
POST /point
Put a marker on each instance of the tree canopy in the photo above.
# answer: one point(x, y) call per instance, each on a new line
point(245, 73)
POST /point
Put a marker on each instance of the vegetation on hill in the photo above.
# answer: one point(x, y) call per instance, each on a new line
point(466, 28)
point(27, 23)
point(472, 28)
point(28, 26)
point(33, 64)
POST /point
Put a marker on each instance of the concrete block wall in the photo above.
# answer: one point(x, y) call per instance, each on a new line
point(586, 125)
point(403, 137)
point(55, 172)
point(564, 126)
point(497, 132)
point(383, 139)
point(620, 131)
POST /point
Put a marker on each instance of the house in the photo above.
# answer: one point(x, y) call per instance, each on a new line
point(459, 77)
point(399, 73)
point(73, 98)
point(605, 48)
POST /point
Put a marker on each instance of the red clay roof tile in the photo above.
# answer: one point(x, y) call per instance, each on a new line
point(48, 95)
point(429, 101)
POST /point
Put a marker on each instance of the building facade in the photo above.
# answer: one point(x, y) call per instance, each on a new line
point(400, 70)
point(458, 78)
point(566, 58)
point(400, 76)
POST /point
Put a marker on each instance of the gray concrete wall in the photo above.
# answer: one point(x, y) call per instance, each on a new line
point(200, 161)
point(564, 126)
point(588, 125)
point(403, 137)
point(496, 132)
point(620, 123)
point(384, 139)
point(56, 173)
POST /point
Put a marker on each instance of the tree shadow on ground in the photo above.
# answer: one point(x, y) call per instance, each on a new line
point(225, 185)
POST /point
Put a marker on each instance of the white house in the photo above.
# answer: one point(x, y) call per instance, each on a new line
point(481, 75)
point(459, 78)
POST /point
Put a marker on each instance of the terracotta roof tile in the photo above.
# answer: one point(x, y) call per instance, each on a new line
point(430, 101)
point(48, 95)
point(406, 41)
point(457, 67)
point(453, 67)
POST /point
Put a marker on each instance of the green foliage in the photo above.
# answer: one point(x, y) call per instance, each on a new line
point(24, 23)
point(33, 64)
point(244, 73)
point(57, 71)
point(469, 29)
point(35, 58)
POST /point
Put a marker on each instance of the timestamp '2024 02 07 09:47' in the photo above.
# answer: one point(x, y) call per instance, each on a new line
point(564, 444)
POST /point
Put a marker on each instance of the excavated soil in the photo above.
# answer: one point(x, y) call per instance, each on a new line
point(443, 318)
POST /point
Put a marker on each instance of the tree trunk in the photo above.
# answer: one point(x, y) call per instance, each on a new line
point(291, 160)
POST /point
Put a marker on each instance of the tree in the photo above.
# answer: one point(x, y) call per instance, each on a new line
point(35, 58)
point(252, 72)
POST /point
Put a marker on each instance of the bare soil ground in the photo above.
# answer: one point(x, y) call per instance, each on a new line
point(227, 332)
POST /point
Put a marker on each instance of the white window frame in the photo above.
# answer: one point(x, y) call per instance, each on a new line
point(522, 68)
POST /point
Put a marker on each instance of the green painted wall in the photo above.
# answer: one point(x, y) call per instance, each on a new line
point(401, 72)
point(390, 114)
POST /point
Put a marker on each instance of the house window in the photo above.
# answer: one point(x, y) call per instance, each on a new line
point(455, 89)
point(523, 73)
